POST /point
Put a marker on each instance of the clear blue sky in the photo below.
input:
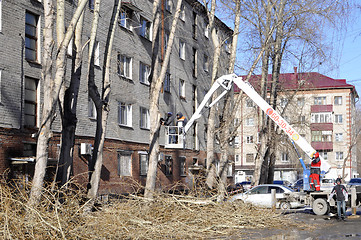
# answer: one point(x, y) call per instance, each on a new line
point(349, 59)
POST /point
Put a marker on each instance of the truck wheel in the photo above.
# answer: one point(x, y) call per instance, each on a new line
point(285, 206)
point(320, 206)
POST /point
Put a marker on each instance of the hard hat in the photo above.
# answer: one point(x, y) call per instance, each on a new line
point(316, 155)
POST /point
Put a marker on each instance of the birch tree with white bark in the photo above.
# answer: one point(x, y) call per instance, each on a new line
point(101, 101)
point(52, 85)
point(155, 88)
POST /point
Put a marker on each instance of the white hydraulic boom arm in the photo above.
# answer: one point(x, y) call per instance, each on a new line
point(226, 82)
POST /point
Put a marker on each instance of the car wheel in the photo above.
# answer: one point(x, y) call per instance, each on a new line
point(285, 206)
point(320, 206)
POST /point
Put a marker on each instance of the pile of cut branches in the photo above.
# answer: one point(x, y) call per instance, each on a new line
point(60, 215)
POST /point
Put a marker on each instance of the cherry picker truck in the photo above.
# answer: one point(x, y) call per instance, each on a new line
point(315, 199)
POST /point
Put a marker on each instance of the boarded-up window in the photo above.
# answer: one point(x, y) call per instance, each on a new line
point(124, 164)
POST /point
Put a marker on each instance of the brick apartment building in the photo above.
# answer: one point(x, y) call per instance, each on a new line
point(127, 137)
point(320, 108)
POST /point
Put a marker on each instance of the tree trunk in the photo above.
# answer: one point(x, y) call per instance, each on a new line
point(96, 163)
point(211, 127)
point(156, 85)
point(51, 93)
point(42, 143)
point(69, 119)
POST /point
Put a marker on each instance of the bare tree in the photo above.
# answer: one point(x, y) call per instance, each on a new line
point(155, 88)
point(51, 87)
point(68, 104)
point(278, 23)
point(102, 107)
point(211, 125)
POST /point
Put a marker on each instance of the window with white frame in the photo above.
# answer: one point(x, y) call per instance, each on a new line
point(324, 155)
point(205, 63)
point(324, 117)
point(301, 101)
point(338, 137)
point(194, 26)
point(146, 28)
point(249, 158)
point(338, 118)
point(92, 112)
point(284, 157)
point(229, 170)
point(339, 156)
point(144, 72)
point(167, 82)
point(125, 18)
point(168, 165)
point(249, 121)
point(337, 100)
point(319, 100)
point(182, 166)
point(182, 88)
point(182, 50)
point(125, 114)
point(144, 118)
point(249, 139)
point(236, 159)
point(143, 164)
point(236, 140)
point(31, 36)
point(96, 54)
point(125, 66)
point(30, 99)
point(124, 164)
point(182, 14)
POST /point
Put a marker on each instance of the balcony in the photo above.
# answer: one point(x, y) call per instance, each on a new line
point(321, 108)
point(322, 146)
point(321, 126)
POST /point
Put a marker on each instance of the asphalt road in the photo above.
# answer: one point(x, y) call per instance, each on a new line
point(327, 227)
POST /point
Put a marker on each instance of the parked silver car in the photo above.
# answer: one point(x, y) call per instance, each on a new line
point(261, 196)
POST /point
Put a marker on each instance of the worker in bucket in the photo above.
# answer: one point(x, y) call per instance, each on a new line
point(341, 197)
point(181, 123)
point(315, 172)
point(181, 120)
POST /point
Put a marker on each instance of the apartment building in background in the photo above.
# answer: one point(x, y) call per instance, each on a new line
point(320, 108)
point(126, 148)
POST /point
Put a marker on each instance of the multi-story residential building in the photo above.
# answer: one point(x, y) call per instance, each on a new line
point(127, 137)
point(320, 108)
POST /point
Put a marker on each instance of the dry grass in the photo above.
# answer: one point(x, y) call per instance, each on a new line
point(132, 217)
